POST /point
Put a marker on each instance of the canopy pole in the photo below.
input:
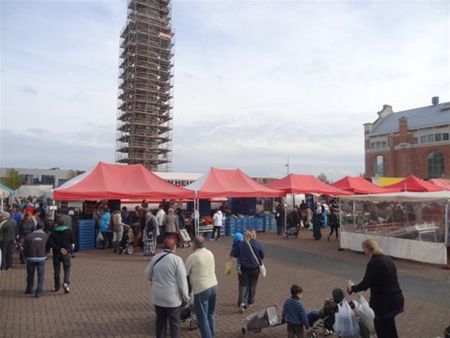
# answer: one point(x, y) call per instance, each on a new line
point(447, 235)
point(285, 213)
point(196, 214)
point(1, 204)
point(354, 213)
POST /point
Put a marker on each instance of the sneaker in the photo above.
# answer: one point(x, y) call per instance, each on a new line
point(56, 288)
point(66, 288)
point(28, 292)
point(242, 308)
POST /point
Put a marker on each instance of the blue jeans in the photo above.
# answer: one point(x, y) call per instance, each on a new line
point(31, 267)
point(205, 303)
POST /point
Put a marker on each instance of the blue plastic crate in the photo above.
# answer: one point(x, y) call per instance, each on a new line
point(86, 234)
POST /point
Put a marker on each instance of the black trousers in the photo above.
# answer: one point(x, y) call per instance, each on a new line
point(385, 327)
point(216, 232)
point(248, 279)
point(7, 248)
point(171, 314)
point(59, 260)
point(334, 229)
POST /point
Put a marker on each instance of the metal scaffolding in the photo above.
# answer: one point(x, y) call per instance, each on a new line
point(144, 119)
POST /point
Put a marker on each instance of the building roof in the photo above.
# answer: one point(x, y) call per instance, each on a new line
point(418, 118)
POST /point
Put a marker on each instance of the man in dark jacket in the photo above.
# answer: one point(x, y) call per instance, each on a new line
point(35, 253)
point(61, 241)
point(8, 233)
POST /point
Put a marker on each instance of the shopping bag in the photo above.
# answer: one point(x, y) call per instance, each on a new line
point(229, 265)
point(346, 324)
point(100, 236)
point(366, 313)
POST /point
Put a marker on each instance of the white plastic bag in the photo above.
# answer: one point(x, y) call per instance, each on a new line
point(366, 313)
point(345, 324)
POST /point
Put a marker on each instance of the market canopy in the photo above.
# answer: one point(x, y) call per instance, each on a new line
point(230, 183)
point(38, 190)
point(5, 191)
point(116, 181)
point(414, 184)
point(441, 182)
point(305, 184)
point(359, 185)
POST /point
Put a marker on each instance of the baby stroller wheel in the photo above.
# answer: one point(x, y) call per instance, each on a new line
point(130, 250)
point(193, 324)
point(244, 331)
point(312, 334)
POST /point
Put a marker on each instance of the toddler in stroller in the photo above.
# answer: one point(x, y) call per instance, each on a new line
point(124, 246)
point(324, 319)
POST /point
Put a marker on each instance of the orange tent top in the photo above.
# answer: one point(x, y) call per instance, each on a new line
point(305, 184)
point(359, 185)
point(230, 183)
point(414, 184)
point(116, 181)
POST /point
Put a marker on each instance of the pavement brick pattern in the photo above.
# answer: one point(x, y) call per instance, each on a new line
point(110, 298)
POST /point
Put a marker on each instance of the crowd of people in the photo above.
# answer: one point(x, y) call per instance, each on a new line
point(34, 230)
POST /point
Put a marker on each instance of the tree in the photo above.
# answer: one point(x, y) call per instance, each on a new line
point(323, 178)
point(12, 179)
point(71, 174)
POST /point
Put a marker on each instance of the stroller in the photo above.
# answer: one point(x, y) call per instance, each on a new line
point(124, 246)
point(292, 231)
point(259, 320)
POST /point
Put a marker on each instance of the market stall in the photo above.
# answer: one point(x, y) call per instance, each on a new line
point(116, 181)
point(406, 225)
point(414, 184)
point(359, 185)
point(228, 183)
point(5, 192)
point(441, 182)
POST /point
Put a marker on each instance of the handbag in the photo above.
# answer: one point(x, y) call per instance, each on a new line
point(262, 268)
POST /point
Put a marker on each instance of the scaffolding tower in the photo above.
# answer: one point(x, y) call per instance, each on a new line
point(144, 119)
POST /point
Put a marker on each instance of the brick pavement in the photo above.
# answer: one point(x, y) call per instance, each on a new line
point(110, 298)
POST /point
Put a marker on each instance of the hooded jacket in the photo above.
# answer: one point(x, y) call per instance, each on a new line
point(61, 237)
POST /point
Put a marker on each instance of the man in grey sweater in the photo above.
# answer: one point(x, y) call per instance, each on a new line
point(167, 273)
point(34, 250)
point(8, 233)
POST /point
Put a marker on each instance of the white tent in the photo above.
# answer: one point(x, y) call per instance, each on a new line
point(393, 242)
point(33, 190)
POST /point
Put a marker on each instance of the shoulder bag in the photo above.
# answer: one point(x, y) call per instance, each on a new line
point(262, 268)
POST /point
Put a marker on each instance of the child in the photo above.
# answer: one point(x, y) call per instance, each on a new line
point(294, 313)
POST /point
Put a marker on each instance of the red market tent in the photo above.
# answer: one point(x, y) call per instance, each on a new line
point(305, 184)
point(230, 183)
point(359, 185)
point(441, 182)
point(414, 184)
point(116, 181)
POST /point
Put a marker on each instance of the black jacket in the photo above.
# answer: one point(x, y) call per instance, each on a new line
point(61, 237)
point(34, 244)
point(386, 298)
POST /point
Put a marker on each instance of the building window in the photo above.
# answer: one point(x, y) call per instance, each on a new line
point(431, 138)
point(435, 165)
point(378, 166)
point(378, 145)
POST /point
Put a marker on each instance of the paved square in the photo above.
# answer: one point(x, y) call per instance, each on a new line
point(110, 298)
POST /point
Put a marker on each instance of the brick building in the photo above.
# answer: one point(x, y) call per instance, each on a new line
point(410, 142)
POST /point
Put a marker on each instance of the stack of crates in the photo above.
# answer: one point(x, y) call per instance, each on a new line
point(270, 224)
point(230, 226)
point(258, 224)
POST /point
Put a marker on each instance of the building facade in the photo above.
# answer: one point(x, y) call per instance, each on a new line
point(411, 142)
point(54, 177)
point(145, 86)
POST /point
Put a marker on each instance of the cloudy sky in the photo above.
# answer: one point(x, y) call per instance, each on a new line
point(255, 81)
